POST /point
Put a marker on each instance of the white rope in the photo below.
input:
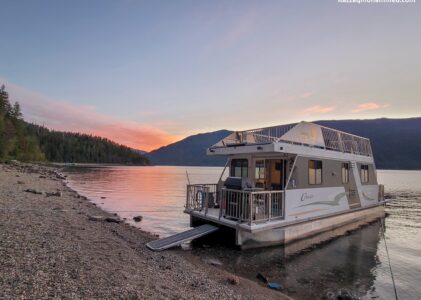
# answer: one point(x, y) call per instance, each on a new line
point(388, 258)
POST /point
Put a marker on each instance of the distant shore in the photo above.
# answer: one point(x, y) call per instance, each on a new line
point(57, 244)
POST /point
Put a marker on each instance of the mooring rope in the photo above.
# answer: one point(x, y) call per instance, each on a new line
point(388, 258)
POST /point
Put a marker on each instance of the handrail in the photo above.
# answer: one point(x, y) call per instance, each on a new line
point(265, 192)
point(199, 196)
point(249, 206)
point(335, 140)
point(252, 206)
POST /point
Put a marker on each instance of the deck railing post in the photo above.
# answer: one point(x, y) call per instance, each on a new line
point(283, 195)
point(270, 206)
point(206, 189)
point(221, 203)
point(251, 207)
point(242, 208)
point(187, 197)
point(341, 145)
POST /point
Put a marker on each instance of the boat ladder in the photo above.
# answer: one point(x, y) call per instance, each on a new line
point(179, 238)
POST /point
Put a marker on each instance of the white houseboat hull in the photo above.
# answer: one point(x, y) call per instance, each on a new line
point(309, 229)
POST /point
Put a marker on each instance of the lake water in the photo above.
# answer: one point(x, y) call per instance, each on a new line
point(355, 264)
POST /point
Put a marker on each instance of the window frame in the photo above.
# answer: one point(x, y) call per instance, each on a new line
point(345, 172)
point(241, 163)
point(364, 173)
point(259, 166)
point(318, 165)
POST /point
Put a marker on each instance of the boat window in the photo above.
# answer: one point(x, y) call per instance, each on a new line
point(239, 168)
point(364, 173)
point(315, 172)
point(345, 173)
point(260, 170)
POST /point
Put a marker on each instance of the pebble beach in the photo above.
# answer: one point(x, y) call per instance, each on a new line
point(56, 244)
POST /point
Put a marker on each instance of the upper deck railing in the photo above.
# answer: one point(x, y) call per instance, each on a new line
point(346, 142)
point(335, 140)
point(258, 136)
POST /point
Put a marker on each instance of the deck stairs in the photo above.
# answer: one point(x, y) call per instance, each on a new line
point(179, 238)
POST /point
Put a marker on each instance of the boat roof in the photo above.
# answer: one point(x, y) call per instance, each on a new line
point(305, 134)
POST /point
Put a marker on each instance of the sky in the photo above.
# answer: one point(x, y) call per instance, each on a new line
point(148, 73)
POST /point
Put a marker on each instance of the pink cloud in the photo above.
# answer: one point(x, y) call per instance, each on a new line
point(306, 95)
point(368, 106)
point(60, 115)
point(319, 109)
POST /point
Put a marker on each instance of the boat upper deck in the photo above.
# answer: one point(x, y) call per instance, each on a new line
point(303, 134)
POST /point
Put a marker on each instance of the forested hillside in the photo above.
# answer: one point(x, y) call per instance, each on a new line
point(28, 142)
point(82, 148)
point(15, 141)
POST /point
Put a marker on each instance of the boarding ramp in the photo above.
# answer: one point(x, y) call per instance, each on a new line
point(181, 237)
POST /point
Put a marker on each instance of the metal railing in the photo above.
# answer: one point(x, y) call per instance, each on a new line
point(235, 204)
point(345, 142)
point(201, 196)
point(251, 206)
point(238, 205)
point(334, 139)
point(265, 135)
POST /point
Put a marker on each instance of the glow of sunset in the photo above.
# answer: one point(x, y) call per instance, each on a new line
point(147, 74)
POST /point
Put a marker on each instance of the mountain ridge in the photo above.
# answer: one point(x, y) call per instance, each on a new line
point(188, 151)
point(396, 143)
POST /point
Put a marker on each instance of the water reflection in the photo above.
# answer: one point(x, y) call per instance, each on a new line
point(343, 266)
point(156, 193)
point(354, 264)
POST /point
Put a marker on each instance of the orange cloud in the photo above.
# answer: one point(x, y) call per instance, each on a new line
point(63, 116)
point(368, 106)
point(319, 109)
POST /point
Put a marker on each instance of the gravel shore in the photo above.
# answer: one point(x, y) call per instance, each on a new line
point(54, 243)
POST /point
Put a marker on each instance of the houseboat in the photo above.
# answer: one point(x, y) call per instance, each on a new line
point(288, 183)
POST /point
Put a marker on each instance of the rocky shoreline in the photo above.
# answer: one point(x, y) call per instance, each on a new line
point(55, 243)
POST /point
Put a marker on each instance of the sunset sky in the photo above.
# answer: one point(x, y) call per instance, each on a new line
point(147, 73)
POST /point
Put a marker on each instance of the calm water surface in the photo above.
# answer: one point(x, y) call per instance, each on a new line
point(355, 264)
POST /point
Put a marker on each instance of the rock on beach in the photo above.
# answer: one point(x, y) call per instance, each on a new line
point(138, 218)
point(33, 191)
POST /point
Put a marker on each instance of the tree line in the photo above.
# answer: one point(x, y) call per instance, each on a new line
point(29, 142)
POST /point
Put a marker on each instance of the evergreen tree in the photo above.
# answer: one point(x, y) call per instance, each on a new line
point(4, 111)
point(15, 143)
point(16, 112)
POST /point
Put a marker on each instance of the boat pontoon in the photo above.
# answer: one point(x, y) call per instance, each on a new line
point(287, 183)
